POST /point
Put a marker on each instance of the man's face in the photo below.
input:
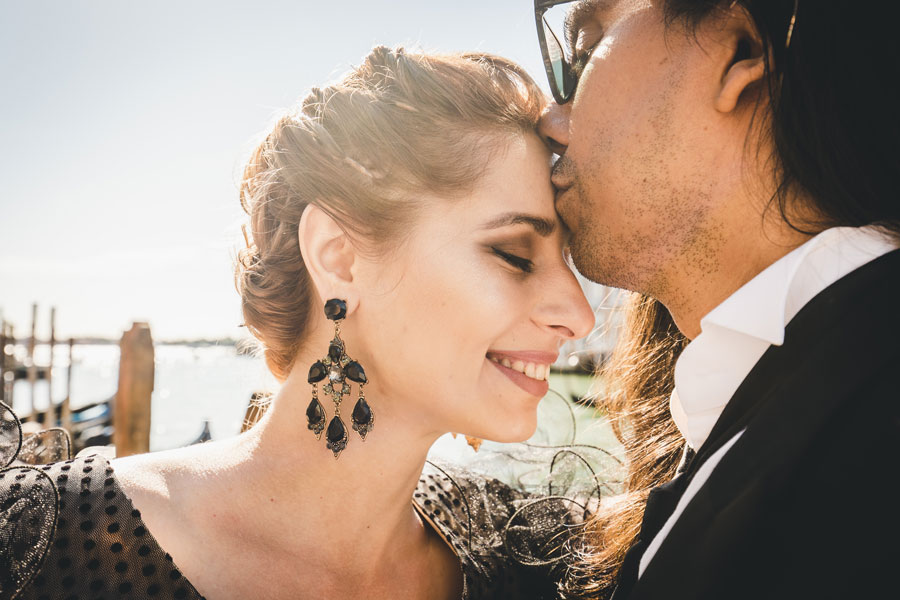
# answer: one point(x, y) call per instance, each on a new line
point(644, 151)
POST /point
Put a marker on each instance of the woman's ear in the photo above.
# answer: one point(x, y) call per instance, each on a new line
point(746, 64)
point(329, 256)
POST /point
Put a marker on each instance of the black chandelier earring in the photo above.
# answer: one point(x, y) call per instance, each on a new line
point(338, 368)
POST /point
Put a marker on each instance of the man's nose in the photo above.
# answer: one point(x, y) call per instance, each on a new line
point(554, 126)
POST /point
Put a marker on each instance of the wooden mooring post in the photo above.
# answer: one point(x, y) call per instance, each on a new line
point(65, 413)
point(29, 363)
point(50, 413)
point(7, 376)
point(131, 413)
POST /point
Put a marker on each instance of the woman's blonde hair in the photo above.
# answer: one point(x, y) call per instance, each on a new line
point(400, 126)
point(640, 378)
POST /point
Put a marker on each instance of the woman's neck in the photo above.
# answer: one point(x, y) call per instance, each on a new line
point(356, 510)
point(275, 500)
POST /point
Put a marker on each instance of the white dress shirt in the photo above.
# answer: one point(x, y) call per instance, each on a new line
point(736, 334)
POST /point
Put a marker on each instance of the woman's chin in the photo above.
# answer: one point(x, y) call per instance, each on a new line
point(513, 430)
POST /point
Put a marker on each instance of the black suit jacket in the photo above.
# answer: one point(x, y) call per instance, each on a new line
point(805, 504)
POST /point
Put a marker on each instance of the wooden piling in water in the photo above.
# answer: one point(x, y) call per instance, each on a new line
point(65, 412)
point(29, 364)
point(9, 376)
point(50, 413)
point(131, 413)
point(3, 343)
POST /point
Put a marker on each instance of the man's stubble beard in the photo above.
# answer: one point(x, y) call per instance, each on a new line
point(636, 260)
point(592, 244)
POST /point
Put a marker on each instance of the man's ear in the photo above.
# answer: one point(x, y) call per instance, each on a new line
point(329, 256)
point(746, 63)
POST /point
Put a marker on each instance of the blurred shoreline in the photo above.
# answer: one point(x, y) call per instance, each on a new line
point(102, 341)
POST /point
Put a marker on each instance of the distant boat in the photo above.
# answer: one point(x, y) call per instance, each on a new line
point(204, 436)
point(91, 424)
point(20, 371)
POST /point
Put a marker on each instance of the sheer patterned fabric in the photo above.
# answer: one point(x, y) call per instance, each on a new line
point(67, 530)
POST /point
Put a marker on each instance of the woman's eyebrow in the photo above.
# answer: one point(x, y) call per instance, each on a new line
point(543, 227)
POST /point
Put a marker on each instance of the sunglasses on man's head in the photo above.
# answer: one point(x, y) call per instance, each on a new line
point(558, 23)
point(553, 20)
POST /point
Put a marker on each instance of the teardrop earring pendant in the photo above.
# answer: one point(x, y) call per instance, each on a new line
point(363, 418)
point(315, 414)
point(338, 368)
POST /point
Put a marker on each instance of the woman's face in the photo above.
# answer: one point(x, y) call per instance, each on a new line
point(458, 327)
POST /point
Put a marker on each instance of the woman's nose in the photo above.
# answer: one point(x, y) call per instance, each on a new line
point(554, 126)
point(564, 309)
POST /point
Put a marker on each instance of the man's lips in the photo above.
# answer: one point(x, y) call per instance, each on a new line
point(563, 179)
point(560, 204)
point(559, 196)
point(560, 182)
point(562, 174)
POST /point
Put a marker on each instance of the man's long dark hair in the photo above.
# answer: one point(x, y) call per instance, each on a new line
point(834, 99)
point(832, 115)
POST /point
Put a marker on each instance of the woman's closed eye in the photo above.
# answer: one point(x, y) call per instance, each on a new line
point(523, 264)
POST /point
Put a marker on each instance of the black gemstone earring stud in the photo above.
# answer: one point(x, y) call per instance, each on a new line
point(338, 368)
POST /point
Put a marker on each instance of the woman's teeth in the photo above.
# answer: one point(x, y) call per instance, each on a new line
point(534, 370)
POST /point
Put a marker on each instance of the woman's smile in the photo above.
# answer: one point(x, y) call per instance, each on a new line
point(530, 370)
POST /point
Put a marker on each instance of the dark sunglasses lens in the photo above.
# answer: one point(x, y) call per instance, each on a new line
point(557, 58)
point(553, 23)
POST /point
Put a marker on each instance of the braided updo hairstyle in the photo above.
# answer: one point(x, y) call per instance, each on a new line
point(364, 150)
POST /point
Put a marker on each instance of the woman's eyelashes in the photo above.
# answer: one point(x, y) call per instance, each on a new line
point(523, 264)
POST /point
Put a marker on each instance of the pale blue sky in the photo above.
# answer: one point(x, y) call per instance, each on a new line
point(124, 124)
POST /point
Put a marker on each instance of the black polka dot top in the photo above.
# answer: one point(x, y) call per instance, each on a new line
point(82, 537)
point(67, 532)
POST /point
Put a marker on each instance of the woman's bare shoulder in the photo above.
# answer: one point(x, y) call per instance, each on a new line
point(167, 481)
point(149, 475)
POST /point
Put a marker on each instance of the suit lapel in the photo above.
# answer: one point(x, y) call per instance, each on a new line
point(831, 347)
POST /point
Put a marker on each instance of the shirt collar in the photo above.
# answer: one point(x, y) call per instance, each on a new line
point(735, 334)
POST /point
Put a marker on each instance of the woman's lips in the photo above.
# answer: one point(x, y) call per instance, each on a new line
point(526, 356)
point(531, 386)
point(528, 369)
